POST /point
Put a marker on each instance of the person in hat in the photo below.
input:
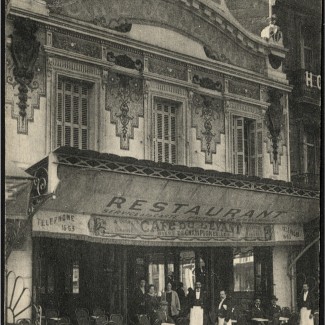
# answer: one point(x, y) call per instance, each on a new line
point(257, 313)
point(152, 302)
point(274, 311)
point(161, 315)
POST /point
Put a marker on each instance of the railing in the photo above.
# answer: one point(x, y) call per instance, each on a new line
point(307, 179)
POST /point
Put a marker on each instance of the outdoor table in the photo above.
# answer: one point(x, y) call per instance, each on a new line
point(260, 319)
point(56, 319)
point(94, 317)
point(233, 321)
point(283, 319)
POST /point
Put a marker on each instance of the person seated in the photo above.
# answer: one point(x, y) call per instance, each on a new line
point(151, 302)
point(161, 315)
point(274, 311)
point(257, 313)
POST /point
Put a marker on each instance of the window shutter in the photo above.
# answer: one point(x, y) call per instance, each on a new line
point(252, 148)
point(165, 133)
point(259, 137)
point(238, 145)
point(72, 114)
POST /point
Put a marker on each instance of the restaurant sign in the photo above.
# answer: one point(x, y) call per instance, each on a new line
point(170, 232)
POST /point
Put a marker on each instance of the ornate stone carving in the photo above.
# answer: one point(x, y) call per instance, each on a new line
point(275, 121)
point(24, 51)
point(121, 25)
point(209, 120)
point(76, 45)
point(57, 6)
point(175, 16)
point(208, 83)
point(215, 56)
point(243, 88)
point(169, 68)
point(125, 61)
point(124, 98)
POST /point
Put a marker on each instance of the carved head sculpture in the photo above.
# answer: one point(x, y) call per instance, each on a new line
point(24, 48)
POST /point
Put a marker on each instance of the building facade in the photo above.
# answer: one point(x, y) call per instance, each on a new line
point(158, 136)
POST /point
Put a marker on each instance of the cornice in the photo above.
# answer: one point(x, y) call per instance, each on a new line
point(106, 37)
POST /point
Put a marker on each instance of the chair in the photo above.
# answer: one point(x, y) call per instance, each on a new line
point(102, 320)
point(24, 321)
point(98, 311)
point(143, 320)
point(285, 312)
point(49, 313)
point(81, 312)
point(117, 319)
point(84, 321)
point(64, 321)
point(82, 315)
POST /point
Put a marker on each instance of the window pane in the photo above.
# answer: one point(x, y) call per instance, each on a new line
point(72, 114)
point(75, 278)
point(186, 269)
point(243, 266)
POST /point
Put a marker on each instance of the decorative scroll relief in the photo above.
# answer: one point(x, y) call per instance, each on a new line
point(76, 45)
point(25, 73)
point(243, 88)
point(124, 99)
point(275, 120)
point(168, 68)
point(124, 60)
point(209, 120)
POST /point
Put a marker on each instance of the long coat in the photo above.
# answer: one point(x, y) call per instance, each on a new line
point(175, 305)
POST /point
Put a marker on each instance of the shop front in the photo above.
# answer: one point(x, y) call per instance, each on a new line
point(118, 220)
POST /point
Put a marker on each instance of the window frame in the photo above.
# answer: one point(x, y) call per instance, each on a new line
point(71, 124)
point(181, 131)
point(79, 72)
point(254, 168)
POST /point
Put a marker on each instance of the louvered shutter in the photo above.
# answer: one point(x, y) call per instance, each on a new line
point(238, 145)
point(72, 114)
point(252, 148)
point(165, 133)
point(259, 138)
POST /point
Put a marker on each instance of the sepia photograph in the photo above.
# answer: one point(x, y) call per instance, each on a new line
point(162, 162)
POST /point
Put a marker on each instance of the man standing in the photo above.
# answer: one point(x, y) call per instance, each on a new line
point(306, 306)
point(197, 303)
point(224, 309)
point(139, 298)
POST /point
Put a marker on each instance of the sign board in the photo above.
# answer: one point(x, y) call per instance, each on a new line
point(119, 229)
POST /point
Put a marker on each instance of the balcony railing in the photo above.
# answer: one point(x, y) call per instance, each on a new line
point(307, 179)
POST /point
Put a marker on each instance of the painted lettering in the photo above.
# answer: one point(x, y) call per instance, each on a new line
point(232, 212)
point(179, 206)
point(144, 225)
point(213, 214)
point(264, 213)
point(159, 206)
point(278, 213)
point(137, 203)
point(118, 200)
point(248, 214)
point(194, 210)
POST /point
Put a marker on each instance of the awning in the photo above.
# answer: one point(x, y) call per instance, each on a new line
point(18, 185)
point(125, 208)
